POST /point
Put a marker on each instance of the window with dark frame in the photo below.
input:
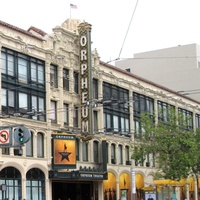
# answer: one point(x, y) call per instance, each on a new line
point(165, 111)
point(197, 120)
point(66, 114)
point(35, 184)
point(127, 149)
point(116, 109)
point(75, 117)
point(23, 85)
point(53, 111)
point(11, 177)
point(66, 79)
point(96, 151)
point(186, 119)
point(95, 88)
point(85, 150)
point(120, 154)
point(95, 120)
point(76, 82)
point(53, 76)
point(40, 145)
point(141, 104)
point(29, 147)
point(113, 154)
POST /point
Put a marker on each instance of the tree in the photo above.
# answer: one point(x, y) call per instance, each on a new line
point(171, 141)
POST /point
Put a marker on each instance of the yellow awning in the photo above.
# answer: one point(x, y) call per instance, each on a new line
point(148, 188)
point(168, 182)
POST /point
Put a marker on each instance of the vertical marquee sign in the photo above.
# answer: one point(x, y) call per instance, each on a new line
point(85, 78)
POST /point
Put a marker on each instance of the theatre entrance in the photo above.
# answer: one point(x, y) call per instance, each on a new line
point(72, 190)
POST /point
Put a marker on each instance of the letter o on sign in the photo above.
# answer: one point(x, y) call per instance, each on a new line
point(83, 41)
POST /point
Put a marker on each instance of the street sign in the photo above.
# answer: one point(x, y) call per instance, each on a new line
point(4, 136)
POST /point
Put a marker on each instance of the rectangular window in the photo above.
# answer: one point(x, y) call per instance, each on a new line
point(95, 121)
point(66, 114)
point(7, 101)
point(185, 119)
point(76, 82)
point(116, 108)
point(96, 151)
point(22, 70)
point(95, 88)
point(75, 116)
point(7, 63)
point(141, 104)
point(120, 156)
point(85, 150)
point(53, 111)
point(116, 123)
point(23, 84)
point(66, 79)
point(113, 155)
point(37, 73)
point(38, 107)
point(53, 76)
point(197, 120)
point(40, 145)
point(29, 147)
point(23, 102)
point(127, 153)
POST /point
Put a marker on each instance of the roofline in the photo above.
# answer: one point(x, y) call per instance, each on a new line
point(20, 30)
point(147, 81)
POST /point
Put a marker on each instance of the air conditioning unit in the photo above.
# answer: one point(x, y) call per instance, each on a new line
point(113, 161)
point(128, 162)
point(147, 164)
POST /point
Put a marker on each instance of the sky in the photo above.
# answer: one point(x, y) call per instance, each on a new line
point(120, 28)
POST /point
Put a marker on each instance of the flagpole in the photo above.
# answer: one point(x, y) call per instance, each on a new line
point(72, 6)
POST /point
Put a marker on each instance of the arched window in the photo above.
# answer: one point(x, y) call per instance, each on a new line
point(120, 154)
point(96, 151)
point(113, 155)
point(29, 147)
point(35, 184)
point(10, 178)
point(40, 145)
point(127, 154)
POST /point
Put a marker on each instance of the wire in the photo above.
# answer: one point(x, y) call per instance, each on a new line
point(128, 28)
point(163, 57)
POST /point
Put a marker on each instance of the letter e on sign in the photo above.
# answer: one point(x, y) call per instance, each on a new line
point(4, 136)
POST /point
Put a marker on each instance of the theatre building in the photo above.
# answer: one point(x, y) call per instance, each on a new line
point(68, 119)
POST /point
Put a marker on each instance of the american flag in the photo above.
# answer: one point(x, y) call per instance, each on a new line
point(73, 6)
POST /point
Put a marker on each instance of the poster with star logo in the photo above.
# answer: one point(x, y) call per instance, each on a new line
point(64, 151)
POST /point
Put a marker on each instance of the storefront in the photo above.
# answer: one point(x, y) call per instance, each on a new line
point(112, 189)
point(170, 189)
point(79, 185)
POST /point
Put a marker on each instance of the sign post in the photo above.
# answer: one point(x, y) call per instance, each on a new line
point(133, 195)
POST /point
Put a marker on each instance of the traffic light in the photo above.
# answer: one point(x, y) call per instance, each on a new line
point(22, 135)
